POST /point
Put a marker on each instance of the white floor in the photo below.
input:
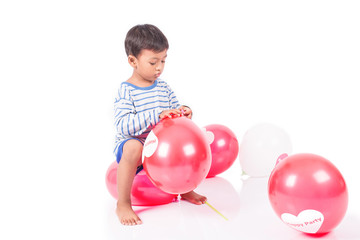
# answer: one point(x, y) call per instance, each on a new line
point(244, 202)
point(291, 63)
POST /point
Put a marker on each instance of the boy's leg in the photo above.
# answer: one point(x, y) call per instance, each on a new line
point(130, 160)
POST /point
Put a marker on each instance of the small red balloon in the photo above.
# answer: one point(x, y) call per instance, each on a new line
point(176, 155)
point(308, 193)
point(224, 148)
point(143, 192)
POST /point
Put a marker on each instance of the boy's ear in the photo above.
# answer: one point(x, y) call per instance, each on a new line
point(132, 61)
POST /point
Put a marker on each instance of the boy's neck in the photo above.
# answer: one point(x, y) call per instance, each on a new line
point(140, 82)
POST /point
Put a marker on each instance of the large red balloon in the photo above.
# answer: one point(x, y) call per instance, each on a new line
point(143, 192)
point(224, 148)
point(176, 155)
point(308, 193)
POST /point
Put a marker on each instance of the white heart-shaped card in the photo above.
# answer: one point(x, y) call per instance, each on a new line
point(308, 221)
point(210, 137)
point(150, 145)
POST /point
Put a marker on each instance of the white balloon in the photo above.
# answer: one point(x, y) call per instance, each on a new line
point(260, 148)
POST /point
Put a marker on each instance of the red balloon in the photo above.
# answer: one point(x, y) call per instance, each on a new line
point(176, 155)
point(308, 193)
point(143, 192)
point(224, 148)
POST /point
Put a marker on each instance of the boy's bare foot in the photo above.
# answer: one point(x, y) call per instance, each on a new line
point(126, 215)
point(194, 198)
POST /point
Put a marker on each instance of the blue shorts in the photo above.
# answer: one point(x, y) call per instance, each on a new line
point(120, 152)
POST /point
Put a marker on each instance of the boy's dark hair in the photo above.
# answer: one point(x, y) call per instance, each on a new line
point(145, 36)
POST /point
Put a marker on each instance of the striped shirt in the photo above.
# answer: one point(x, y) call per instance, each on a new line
point(137, 109)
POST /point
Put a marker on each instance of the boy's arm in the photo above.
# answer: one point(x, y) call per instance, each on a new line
point(174, 103)
point(130, 123)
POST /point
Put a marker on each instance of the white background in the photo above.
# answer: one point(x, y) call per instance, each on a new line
point(237, 63)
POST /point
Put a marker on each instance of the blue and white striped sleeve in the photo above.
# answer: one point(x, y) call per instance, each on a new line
point(174, 103)
point(128, 122)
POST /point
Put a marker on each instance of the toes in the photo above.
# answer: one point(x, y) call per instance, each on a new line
point(126, 222)
point(131, 222)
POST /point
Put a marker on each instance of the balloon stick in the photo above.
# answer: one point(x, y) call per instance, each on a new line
point(216, 211)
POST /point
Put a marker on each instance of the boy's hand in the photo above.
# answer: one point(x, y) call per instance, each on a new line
point(186, 111)
point(170, 113)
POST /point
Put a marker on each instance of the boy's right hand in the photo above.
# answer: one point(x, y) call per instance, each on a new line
point(170, 113)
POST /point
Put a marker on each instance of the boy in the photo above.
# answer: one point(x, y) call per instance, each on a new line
point(142, 101)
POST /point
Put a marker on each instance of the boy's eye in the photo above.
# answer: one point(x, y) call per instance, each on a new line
point(152, 63)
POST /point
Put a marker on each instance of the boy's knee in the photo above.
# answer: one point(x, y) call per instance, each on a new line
point(134, 148)
point(134, 145)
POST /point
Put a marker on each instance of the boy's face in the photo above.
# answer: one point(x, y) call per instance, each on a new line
point(149, 65)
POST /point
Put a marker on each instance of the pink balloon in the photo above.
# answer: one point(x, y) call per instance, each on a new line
point(177, 156)
point(143, 192)
point(111, 179)
point(308, 193)
point(224, 148)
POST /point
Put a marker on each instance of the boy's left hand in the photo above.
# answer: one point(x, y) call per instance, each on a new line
point(186, 111)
